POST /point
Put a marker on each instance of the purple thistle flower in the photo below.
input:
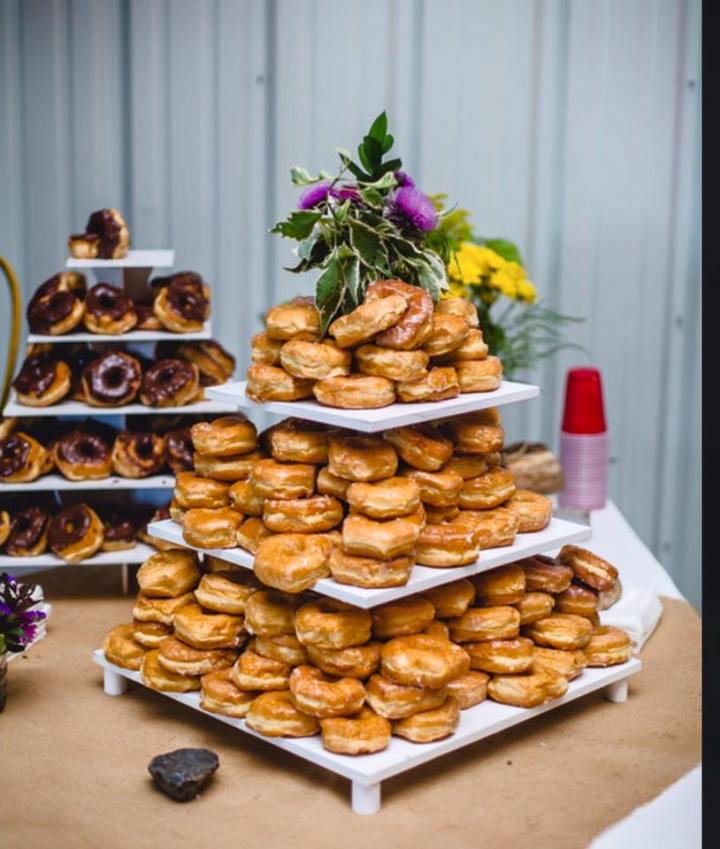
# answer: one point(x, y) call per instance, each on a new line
point(404, 179)
point(348, 192)
point(313, 195)
point(408, 206)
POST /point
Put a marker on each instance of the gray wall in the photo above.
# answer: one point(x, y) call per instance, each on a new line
point(571, 126)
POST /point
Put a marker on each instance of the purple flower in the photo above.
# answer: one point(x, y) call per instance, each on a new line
point(348, 192)
point(404, 179)
point(409, 207)
point(5, 609)
point(313, 195)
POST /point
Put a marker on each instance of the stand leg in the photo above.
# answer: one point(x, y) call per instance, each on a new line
point(617, 692)
point(125, 578)
point(365, 798)
point(114, 684)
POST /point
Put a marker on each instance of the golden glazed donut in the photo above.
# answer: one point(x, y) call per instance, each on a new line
point(577, 599)
point(297, 319)
point(330, 484)
point(485, 623)
point(297, 441)
point(458, 306)
point(448, 333)
point(325, 696)
point(439, 384)
point(155, 676)
point(362, 458)
point(385, 499)
point(245, 500)
point(415, 325)
point(275, 715)
point(476, 433)
point(264, 349)
point(193, 491)
point(220, 695)
point(203, 630)
point(150, 634)
point(122, 649)
point(534, 510)
point(534, 606)
point(397, 701)
point(367, 320)
point(409, 615)
point(479, 375)
point(451, 600)
point(252, 671)
point(369, 572)
point(162, 610)
point(567, 664)
point(271, 614)
point(438, 515)
point(211, 527)
point(382, 540)
point(608, 645)
point(355, 392)
point(185, 660)
point(561, 631)
point(271, 383)
point(492, 528)
point(228, 469)
point(421, 446)
point(439, 489)
point(302, 515)
point(177, 514)
point(224, 437)
point(251, 533)
point(473, 347)
point(351, 662)
point(503, 585)
point(292, 562)
point(282, 480)
point(422, 660)
point(429, 725)
point(394, 365)
point(588, 567)
point(446, 544)
point(330, 624)
point(315, 360)
point(283, 647)
point(545, 574)
point(169, 574)
point(488, 491)
point(502, 657)
point(225, 592)
point(437, 629)
point(469, 689)
point(525, 691)
point(606, 598)
point(361, 734)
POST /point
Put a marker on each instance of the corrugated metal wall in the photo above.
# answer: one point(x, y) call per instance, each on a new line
point(571, 126)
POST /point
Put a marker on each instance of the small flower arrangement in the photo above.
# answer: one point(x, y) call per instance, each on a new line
point(18, 622)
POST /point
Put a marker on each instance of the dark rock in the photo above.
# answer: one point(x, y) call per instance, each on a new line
point(182, 774)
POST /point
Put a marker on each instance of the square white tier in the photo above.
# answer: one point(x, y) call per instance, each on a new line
point(139, 553)
point(158, 258)
point(80, 408)
point(557, 533)
point(131, 336)
point(58, 482)
point(383, 418)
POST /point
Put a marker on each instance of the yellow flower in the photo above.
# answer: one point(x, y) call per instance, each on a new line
point(456, 290)
point(527, 291)
point(504, 282)
point(515, 270)
point(464, 266)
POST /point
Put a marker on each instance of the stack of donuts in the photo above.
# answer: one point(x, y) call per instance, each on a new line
point(313, 502)
point(106, 236)
point(179, 303)
point(299, 665)
point(395, 346)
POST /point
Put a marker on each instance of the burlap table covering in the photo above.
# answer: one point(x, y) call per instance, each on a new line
point(74, 761)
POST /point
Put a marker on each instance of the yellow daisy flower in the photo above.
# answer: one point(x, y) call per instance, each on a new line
point(526, 291)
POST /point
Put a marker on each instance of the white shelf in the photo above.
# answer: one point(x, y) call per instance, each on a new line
point(383, 418)
point(557, 533)
point(133, 259)
point(58, 482)
point(367, 771)
point(79, 408)
point(138, 554)
point(131, 336)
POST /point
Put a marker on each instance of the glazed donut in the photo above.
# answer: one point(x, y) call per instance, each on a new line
point(146, 318)
point(469, 689)
point(485, 623)
point(439, 384)
point(251, 533)
point(492, 528)
point(606, 598)
point(169, 574)
point(448, 333)
point(106, 236)
point(224, 437)
point(429, 725)
point(397, 701)
point(119, 530)
point(393, 365)
point(439, 489)
point(588, 567)
point(274, 715)
point(252, 671)
point(297, 441)
point(192, 491)
point(545, 574)
point(350, 662)
point(292, 562)
point(283, 647)
point(297, 319)
point(302, 515)
point(438, 515)
point(42, 381)
point(57, 307)
point(608, 646)
point(477, 433)
point(150, 634)
point(361, 734)
point(361, 458)
point(330, 484)
point(121, 648)
point(487, 491)
point(525, 691)
point(384, 499)
point(215, 364)
point(177, 513)
point(472, 348)
point(28, 533)
point(182, 306)
point(446, 544)
point(534, 606)
point(271, 614)
point(567, 664)
point(437, 629)
point(368, 572)
point(451, 600)
point(211, 527)
point(136, 454)
point(314, 360)
point(501, 657)
point(422, 660)
point(160, 610)
point(264, 349)
point(230, 469)
point(409, 615)
point(577, 599)
point(324, 696)
point(503, 585)
point(421, 446)
point(479, 375)
point(244, 499)
point(271, 479)
point(225, 592)
point(458, 306)
point(170, 383)
point(155, 676)
point(203, 630)
point(367, 320)
point(355, 392)
point(109, 310)
point(111, 380)
point(182, 659)
point(534, 510)
point(271, 383)
point(22, 458)
point(76, 533)
point(415, 325)
point(330, 624)
point(560, 631)
point(4, 526)
point(220, 695)
point(385, 540)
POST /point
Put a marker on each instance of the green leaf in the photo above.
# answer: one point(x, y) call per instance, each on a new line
point(373, 150)
point(350, 269)
point(367, 243)
point(329, 292)
point(302, 177)
point(391, 165)
point(378, 128)
point(341, 212)
point(346, 160)
point(506, 249)
point(364, 158)
point(298, 225)
point(305, 247)
point(372, 197)
point(388, 143)
point(387, 181)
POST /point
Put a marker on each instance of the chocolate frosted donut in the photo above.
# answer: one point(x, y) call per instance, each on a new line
point(42, 381)
point(137, 454)
point(120, 529)
point(28, 533)
point(186, 278)
point(57, 305)
point(77, 361)
point(14, 454)
point(80, 455)
point(109, 310)
point(111, 380)
point(179, 450)
point(182, 304)
point(169, 383)
point(108, 224)
point(75, 533)
point(147, 320)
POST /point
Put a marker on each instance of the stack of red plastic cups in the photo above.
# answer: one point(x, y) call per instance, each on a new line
point(584, 442)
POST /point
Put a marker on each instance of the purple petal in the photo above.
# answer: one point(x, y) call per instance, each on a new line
point(404, 179)
point(348, 192)
point(409, 206)
point(313, 195)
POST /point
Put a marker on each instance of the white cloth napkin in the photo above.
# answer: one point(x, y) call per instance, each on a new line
point(637, 611)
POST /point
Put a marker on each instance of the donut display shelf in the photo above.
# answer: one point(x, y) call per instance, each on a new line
point(557, 533)
point(80, 408)
point(139, 553)
point(366, 772)
point(160, 258)
point(130, 336)
point(54, 482)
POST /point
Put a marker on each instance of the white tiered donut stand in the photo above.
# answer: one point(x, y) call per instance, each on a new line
point(367, 772)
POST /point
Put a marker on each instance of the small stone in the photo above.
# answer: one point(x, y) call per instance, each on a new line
point(182, 774)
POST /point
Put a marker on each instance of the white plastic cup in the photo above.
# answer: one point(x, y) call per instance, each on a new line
point(584, 460)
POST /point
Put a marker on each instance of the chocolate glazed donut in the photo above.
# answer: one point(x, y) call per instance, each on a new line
point(57, 305)
point(137, 454)
point(170, 383)
point(111, 380)
point(120, 530)
point(179, 450)
point(42, 381)
point(77, 361)
point(22, 458)
point(182, 304)
point(75, 533)
point(82, 456)
point(28, 533)
point(109, 310)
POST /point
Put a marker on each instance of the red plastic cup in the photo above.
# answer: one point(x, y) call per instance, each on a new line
point(584, 408)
